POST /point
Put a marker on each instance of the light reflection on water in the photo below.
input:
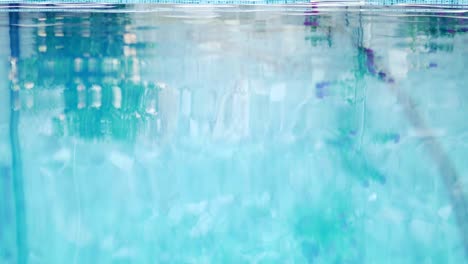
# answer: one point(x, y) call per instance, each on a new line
point(305, 135)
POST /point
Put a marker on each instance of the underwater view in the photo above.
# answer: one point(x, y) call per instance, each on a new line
point(298, 133)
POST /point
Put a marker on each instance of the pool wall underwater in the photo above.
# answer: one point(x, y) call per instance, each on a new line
point(233, 132)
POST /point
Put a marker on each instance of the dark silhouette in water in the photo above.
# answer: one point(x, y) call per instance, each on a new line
point(17, 175)
point(447, 170)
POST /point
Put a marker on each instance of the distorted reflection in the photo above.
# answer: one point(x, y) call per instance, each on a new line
point(96, 69)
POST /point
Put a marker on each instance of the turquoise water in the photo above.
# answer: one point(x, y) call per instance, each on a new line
point(234, 134)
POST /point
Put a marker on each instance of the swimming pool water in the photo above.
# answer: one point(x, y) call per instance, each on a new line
point(242, 134)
